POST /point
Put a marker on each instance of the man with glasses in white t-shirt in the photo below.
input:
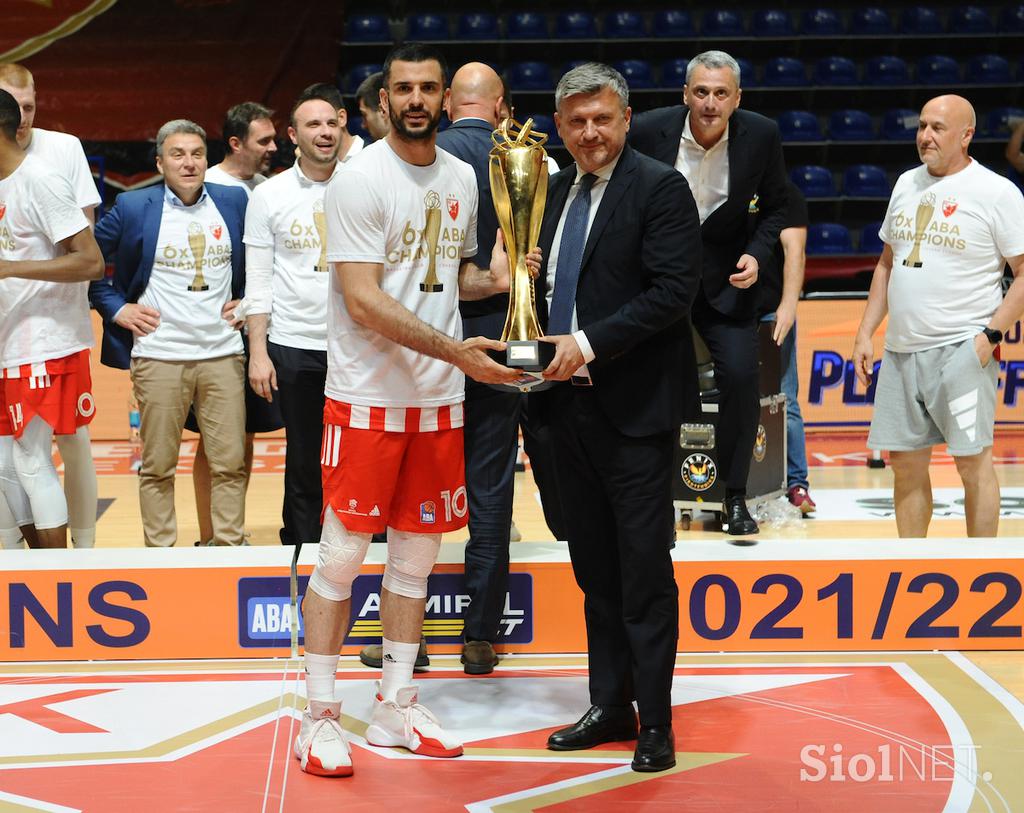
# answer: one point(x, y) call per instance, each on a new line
point(950, 228)
point(401, 223)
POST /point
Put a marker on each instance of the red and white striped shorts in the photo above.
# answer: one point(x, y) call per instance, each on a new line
point(58, 390)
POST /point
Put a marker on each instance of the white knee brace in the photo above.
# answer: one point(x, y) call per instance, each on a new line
point(411, 557)
point(15, 509)
point(33, 460)
point(10, 533)
point(341, 554)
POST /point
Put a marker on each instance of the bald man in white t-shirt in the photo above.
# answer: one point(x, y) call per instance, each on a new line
point(950, 228)
point(62, 154)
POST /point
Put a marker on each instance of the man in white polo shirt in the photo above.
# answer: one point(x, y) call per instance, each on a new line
point(62, 153)
point(287, 289)
point(178, 271)
point(249, 144)
point(950, 228)
point(46, 254)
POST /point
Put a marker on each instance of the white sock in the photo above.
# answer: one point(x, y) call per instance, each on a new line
point(399, 660)
point(83, 537)
point(320, 672)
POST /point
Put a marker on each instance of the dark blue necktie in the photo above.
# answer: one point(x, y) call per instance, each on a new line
point(570, 258)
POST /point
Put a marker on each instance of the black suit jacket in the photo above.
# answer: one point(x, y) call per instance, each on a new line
point(756, 168)
point(470, 140)
point(641, 268)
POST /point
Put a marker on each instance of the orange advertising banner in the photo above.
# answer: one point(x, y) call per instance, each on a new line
point(143, 604)
point(830, 396)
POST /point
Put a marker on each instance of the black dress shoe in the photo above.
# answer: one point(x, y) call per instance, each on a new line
point(655, 749)
point(736, 519)
point(600, 724)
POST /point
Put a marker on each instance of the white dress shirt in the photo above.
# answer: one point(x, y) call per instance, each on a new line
point(706, 171)
point(604, 174)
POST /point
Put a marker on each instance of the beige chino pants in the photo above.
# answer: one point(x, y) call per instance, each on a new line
point(165, 390)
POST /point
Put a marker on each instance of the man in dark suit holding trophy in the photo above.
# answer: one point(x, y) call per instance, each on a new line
point(621, 246)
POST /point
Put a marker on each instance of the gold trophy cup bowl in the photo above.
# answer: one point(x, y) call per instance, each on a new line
point(925, 210)
point(519, 186)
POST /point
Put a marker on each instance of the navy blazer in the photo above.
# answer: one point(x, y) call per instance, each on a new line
point(757, 175)
point(638, 279)
point(127, 236)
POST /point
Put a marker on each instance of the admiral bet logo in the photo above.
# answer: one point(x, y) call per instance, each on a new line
point(265, 619)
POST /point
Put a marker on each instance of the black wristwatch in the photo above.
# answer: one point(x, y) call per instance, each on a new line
point(994, 336)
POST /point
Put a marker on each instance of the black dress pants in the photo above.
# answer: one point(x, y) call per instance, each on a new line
point(301, 376)
point(733, 345)
point(617, 506)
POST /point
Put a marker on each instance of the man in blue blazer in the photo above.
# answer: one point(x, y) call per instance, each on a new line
point(178, 271)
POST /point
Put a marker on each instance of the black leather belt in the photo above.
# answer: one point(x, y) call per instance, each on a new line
point(581, 381)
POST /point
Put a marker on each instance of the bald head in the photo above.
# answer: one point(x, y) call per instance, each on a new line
point(476, 92)
point(944, 134)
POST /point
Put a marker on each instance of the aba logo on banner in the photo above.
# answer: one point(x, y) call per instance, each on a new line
point(265, 613)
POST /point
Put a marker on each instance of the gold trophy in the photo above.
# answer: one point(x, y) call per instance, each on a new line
point(320, 221)
point(197, 244)
point(432, 230)
point(519, 186)
point(925, 210)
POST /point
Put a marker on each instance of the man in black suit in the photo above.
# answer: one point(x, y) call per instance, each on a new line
point(621, 247)
point(732, 160)
point(475, 105)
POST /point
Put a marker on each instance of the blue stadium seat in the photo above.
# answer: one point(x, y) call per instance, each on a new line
point(988, 69)
point(785, 71)
point(999, 120)
point(865, 181)
point(527, 25)
point(938, 70)
point(748, 76)
point(368, 28)
point(886, 70)
point(546, 124)
point(722, 23)
point(478, 26)
point(814, 181)
point(1012, 19)
point(871, 21)
point(821, 22)
point(529, 76)
point(357, 73)
point(672, 23)
point(772, 22)
point(637, 72)
point(835, 70)
point(870, 242)
point(899, 124)
point(673, 73)
point(851, 125)
point(920, 20)
point(799, 125)
point(624, 25)
point(427, 26)
point(576, 25)
point(828, 238)
point(969, 20)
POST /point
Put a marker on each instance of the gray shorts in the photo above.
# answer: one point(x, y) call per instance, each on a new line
point(934, 396)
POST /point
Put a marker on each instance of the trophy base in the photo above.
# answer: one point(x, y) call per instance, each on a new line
point(431, 287)
point(532, 357)
point(908, 264)
point(199, 287)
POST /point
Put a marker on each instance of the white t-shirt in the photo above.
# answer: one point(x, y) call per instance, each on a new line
point(191, 326)
point(63, 154)
point(218, 175)
point(286, 215)
point(947, 288)
point(39, 321)
point(381, 209)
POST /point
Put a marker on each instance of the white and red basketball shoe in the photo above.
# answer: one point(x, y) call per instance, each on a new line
point(405, 723)
point(321, 745)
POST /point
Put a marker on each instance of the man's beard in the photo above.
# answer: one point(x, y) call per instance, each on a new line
point(398, 124)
